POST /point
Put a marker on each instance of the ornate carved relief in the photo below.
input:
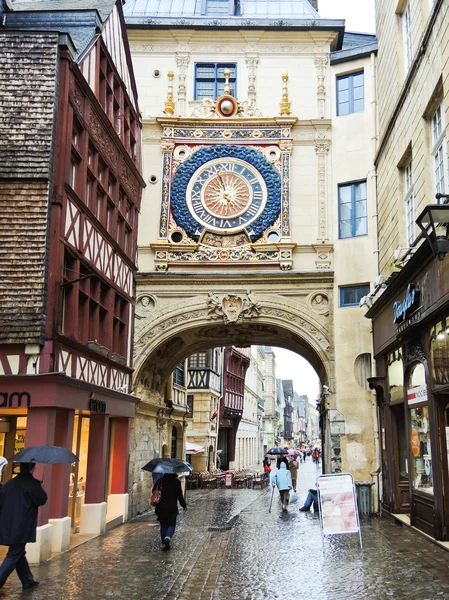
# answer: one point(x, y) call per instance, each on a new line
point(321, 63)
point(414, 352)
point(231, 308)
point(252, 62)
point(182, 62)
point(322, 149)
point(320, 303)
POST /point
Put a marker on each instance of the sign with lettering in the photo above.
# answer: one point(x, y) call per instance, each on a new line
point(417, 394)
point(15, 399)
point(402, 309)
point(98, 406)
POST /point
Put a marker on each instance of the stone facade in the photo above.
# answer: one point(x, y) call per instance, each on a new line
point(288, 293)
point(409, 100)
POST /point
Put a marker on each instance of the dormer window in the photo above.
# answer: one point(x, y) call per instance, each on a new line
point(217, 8)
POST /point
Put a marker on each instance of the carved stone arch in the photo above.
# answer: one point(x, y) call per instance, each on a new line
point(219, 319)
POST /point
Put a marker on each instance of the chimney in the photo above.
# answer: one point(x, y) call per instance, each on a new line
point(314, 3)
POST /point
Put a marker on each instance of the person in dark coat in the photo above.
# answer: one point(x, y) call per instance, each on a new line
point(20, 499)
point(167, 509)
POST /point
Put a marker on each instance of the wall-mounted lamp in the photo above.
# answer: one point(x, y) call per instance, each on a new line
point(433, 222)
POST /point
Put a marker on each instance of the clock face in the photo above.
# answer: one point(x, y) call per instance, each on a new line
point(226, 195)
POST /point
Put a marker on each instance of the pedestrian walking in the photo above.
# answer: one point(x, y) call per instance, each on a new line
point(316, 456)
point(283, 480)
point(267, 471)
point(20, 499)
point(167, 509)
point(294, 465)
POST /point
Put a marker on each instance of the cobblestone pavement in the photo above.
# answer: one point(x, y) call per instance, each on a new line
point(229, 547)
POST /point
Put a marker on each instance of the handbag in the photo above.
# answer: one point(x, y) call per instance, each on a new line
point(156, 496)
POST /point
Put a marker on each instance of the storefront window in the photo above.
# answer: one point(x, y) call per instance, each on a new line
point(77, 490)
point(439, 352)
point(395, 378)
point(422, 476)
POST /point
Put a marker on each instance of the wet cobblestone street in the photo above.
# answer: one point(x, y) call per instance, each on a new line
point(263, 556)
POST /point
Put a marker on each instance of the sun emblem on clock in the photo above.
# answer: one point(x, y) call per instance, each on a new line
point(227, 195)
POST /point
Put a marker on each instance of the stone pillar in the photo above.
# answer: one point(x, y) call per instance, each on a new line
point(97, 459)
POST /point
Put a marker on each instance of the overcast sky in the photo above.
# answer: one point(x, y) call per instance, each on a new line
point(292, 366)
point(359, 14)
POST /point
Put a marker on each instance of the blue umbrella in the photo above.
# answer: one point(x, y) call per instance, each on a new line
point(167, 465)
point(46, 455)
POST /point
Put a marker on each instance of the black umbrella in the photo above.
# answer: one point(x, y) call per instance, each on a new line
point(167, 465)
point(46, 455)
point(277, 451)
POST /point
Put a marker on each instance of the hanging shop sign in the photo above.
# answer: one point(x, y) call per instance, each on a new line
point(15, 399)
point(417, 395)
point(402, 309)
point(338, 505)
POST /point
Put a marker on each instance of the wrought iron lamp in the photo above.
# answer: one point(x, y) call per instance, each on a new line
point(434, 223)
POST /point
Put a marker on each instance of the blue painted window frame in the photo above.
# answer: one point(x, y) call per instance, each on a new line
point(215, 79)
point(355, 209)
point(354, 103)
point(360, 290)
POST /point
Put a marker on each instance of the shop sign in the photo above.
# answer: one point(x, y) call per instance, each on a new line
point(98, 406)
point(402, 309)
point(417, 395)
point(14, 399)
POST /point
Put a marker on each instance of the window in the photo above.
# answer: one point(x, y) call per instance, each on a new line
point(353, 220)
point(217, 7)
point(350, 94)
point(210, 79)
point(439, 150)
point(362, 370)
point(174, 442)
point(407, 33)
point(351, 295)
point(178, 375)
point(189, 414)
point(198, 361)
point(409, 204)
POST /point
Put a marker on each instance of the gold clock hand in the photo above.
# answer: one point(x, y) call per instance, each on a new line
point(221, 181)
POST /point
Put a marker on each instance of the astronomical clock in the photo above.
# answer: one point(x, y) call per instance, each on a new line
point(225, 186)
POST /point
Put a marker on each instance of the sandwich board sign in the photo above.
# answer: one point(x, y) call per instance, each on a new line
point(338, 505)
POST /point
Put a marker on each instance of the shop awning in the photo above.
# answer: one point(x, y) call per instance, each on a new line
point(193, 448)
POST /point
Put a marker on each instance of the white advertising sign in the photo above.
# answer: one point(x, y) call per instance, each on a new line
point(338, 504)
point(416, 395)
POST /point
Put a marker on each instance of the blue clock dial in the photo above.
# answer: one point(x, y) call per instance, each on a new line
point(225, 190)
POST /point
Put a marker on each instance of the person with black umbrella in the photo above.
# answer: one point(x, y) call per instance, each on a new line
point(167, 507)
point(20, 499)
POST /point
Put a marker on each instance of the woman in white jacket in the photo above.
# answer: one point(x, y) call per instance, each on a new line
point(283, 480)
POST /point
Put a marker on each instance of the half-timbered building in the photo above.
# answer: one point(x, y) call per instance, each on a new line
point(70, 191)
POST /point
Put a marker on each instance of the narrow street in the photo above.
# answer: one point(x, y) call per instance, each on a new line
point(251, 555)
